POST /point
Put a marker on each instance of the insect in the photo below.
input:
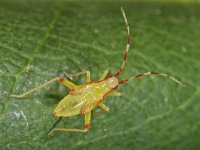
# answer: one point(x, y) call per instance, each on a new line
point(82, 99)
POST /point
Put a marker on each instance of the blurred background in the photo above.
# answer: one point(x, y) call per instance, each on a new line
point(41, 39)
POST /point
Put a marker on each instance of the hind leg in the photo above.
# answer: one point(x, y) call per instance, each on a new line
point(65, 82)
point(85, 129)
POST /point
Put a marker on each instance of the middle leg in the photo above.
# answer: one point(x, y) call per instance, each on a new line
point(115, 93)
point(104, 107)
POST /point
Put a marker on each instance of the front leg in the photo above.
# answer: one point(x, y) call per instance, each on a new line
point(105, 74)
point(87, 73)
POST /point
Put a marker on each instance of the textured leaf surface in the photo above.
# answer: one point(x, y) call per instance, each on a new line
point(38, 40)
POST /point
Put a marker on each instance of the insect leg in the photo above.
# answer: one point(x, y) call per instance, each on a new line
point(85, 129)
point(87, 73)
point(59, 79)
point(114, 93)
point(59, 119)
point(104, 107)
point(105, 74)
point(87, 121)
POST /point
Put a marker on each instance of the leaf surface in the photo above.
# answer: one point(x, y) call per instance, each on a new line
point(41, 39)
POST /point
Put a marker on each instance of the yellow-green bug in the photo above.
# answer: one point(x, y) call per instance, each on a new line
point(83, 98)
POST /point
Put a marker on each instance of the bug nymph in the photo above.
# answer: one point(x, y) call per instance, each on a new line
point(90, 94)
point(82, 99)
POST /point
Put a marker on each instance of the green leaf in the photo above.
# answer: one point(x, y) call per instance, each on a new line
point(41, 39)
